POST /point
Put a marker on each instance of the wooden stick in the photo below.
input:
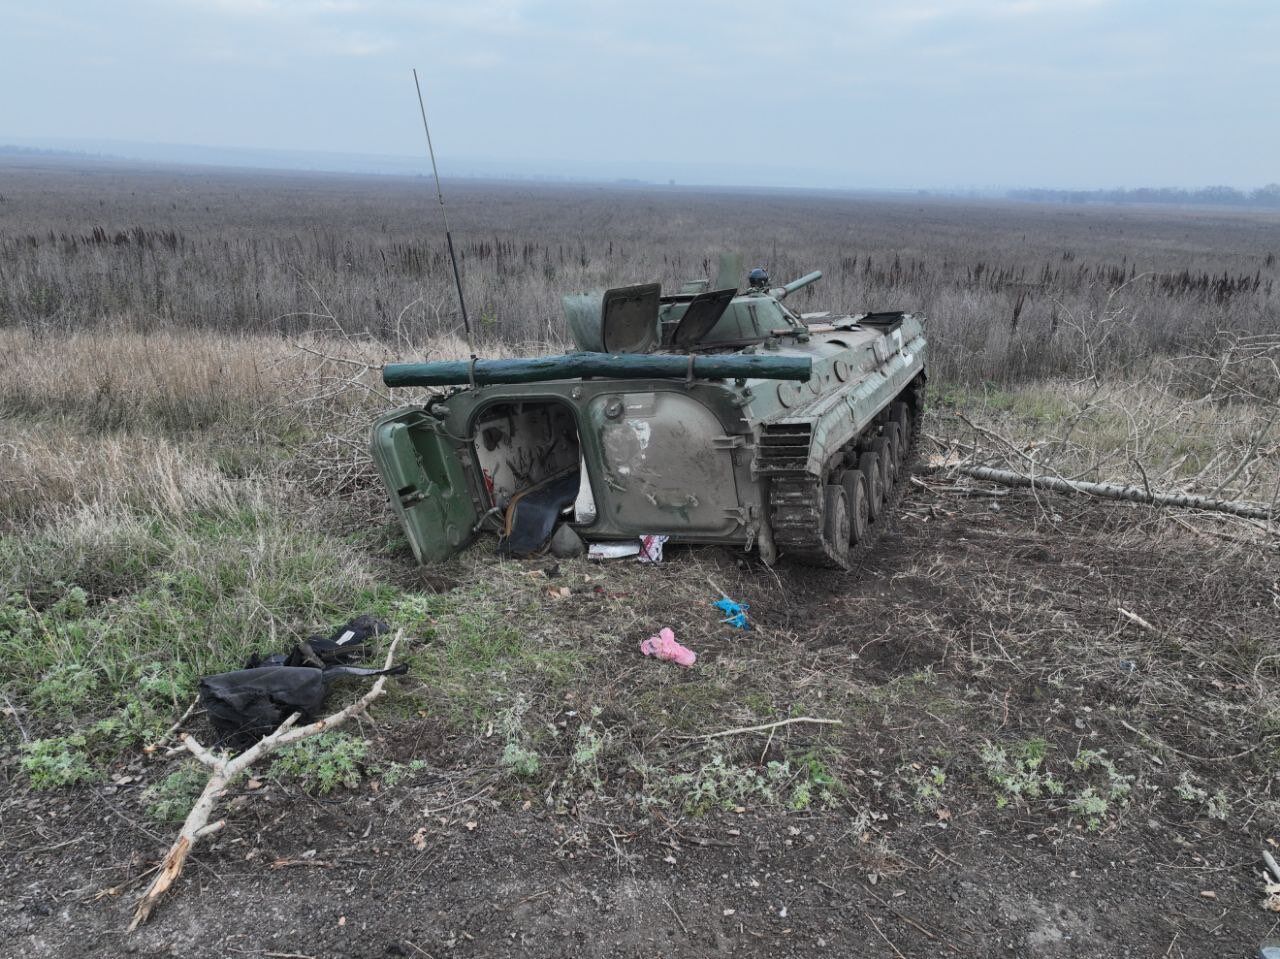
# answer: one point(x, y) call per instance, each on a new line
point(1132, 494)
point(1135, 619)
point(169, 733)
point(767, 726)
point(1272, 866)
point(1204, 759)
point(876, 926)
point(226, 770)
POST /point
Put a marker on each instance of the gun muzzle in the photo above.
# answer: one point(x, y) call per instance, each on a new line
point(799, 284)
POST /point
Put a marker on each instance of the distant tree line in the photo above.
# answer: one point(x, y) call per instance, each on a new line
point(1265, 196)
point(12, 149)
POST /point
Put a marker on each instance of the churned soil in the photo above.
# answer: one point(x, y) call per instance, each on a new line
point(981, 621)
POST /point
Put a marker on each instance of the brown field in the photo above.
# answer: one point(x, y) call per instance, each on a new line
point(1060, 726)
point(1013, 290)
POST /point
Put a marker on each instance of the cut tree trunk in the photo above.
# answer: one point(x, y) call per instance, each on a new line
point(1132, 494)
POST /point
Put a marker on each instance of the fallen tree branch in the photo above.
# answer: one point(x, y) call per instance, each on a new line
point(1203, 759)
point(226, 769)
point(1132, 494)
point(768, 726)
point(1272, 866)
point(172, 730)
point(1135, 619)
point(1213, 532)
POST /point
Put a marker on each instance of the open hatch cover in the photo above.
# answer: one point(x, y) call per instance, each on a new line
point(702, 315)
point(629, 319)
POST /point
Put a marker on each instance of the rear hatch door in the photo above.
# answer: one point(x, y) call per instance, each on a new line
point(428, 478)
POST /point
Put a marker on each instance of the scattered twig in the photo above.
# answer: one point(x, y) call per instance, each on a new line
point(1203, 759)
point(108, 891)
point(1238, 540)
point(1135, 619)
point(767, 726)
point(12, 710)
point(876, 926)
point(999, 438)
point(461, 802)
point(172, 730)
point(39, 850)
point(683, 928)
point(909, 921)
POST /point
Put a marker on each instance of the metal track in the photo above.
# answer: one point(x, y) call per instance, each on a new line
point(796, 513)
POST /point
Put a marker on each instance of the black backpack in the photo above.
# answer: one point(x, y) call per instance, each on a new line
point(247, 704)
point(347, 644)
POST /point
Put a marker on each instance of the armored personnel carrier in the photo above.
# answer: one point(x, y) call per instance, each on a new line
point(709, 416)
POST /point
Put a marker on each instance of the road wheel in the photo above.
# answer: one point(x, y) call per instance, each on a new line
point(836, 520)
point(869, 467)
point(894, 438)
point(885, 452)
point(900, 413)
point(855, 495)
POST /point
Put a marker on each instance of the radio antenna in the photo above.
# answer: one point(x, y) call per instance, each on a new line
point(457, 279)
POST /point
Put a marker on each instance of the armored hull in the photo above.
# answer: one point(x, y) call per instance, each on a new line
point(804, 468)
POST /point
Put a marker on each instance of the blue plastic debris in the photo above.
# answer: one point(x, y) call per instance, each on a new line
point(735, 613)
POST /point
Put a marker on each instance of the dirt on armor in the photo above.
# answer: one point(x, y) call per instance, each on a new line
point(979, 620)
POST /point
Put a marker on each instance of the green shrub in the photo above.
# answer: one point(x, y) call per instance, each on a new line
point(171, 798)
point(796, 784)
point(1189, 790)
point(323, 763)
point(521, 760)
point(392, 774)
point(1018, 772)
point(58, 761)
point(1090, 807)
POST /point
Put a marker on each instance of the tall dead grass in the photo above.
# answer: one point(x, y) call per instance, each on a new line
point(172, 422)
point(47, 472)
point(1003, 284)
point(173, 382)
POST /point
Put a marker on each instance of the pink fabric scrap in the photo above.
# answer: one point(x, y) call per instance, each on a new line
point(664, 646)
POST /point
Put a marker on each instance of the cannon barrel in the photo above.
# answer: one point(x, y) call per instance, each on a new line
point(620, 366)
point(799, 284)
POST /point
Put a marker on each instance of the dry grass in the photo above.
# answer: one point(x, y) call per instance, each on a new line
point(1146, 433)
point(47, 471)
point(127, 418)
point(1010, 288)
point(169, 383)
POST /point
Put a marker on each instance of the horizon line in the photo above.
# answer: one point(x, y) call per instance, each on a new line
point(25, 146)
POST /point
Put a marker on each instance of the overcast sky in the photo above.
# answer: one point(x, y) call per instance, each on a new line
point(912, 93)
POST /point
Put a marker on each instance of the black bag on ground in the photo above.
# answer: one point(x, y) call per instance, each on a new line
point(247, 704)
point(345, 645)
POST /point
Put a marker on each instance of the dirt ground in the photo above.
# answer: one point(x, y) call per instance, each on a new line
point(981, 619)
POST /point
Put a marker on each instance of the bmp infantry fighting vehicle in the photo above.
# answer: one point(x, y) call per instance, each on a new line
point(708, 416)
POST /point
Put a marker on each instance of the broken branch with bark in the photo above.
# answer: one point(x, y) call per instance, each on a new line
point(226, 769)
point(1133, 494)
point(768, 727)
